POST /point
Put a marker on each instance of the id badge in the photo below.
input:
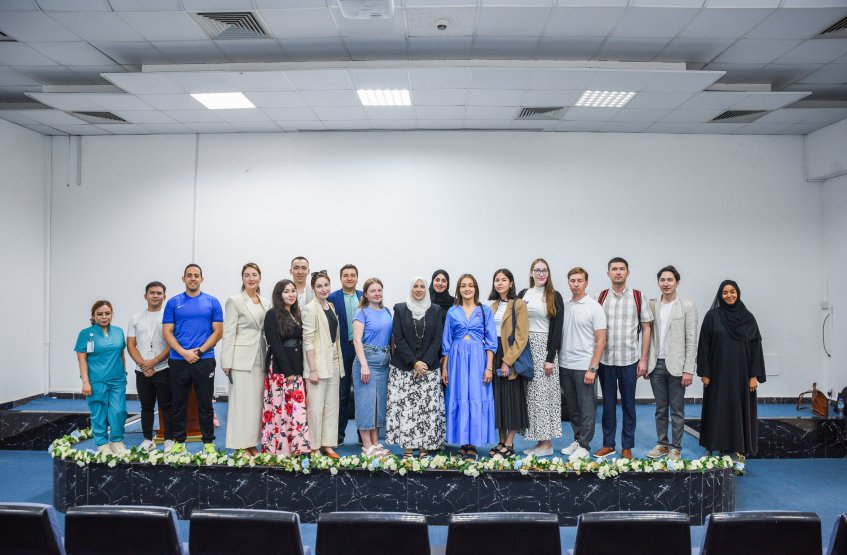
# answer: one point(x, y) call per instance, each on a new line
point(89, 347)
point(150, 354)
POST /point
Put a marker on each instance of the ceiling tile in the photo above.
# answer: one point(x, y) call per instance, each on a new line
point(192, 51)
point(723, 23)
point(441, 78)
point(582, 22)
point(756, 51)
point(440, 112)
point(561, 78)
point(53, 117)
point(682, 81)
point(346, 125)
point(94, 74)
point(279, 4)
point(155, 26)
point(202, 82)
point(693, 50)
point(577, 126)
point(195, 116)
point(320, 79)
point(639, 114)
point(257, 127)
point(66, 101)
point(786, 115)
point(620, 80)
point(253, 50)
point(144, 83)
point(144, 116)
point(693, 116)
point(314, 50)
point(625, 126)
point(376, 48)
point(339, 113)
point(72, 53)
point(95, 26)
point(494, 78)
point(81, 129)
point(297, 23)
point(830, 73)
point(11, 78)
point(27, 26)
point(486, 97)
point(743, 3)
point(780, 75)
point(78, 5)
point(631, 49)
point(796, 23)
point(815, 52)
point(18, 5)
point(550, 97)
point(718, 128)
point(487, 124)
point(379, 78)
point(310, 125)
point(270, 81)
point(501, 48)
point(440, 123)
point(663, 127)
point(394, 26)
point(653, 22)
point(168, 128)
point(123, 129)
point(243, 114)
point(19, 54)
point(136, 53)
point(438, 48)
point(423, 22)
point(713, 99)
point(331, 98)
point(51, 75)
point(568, 48)
point(590, 114)
point(512, 21)
point(658, 100)
point(119, 101)
point(145, 5)
point(172, 102)
point(758, 128)
point(439, 97)
point(491, 112)
point(389, 112)
point(735, 73)
point(217, 5)
point(767, 100)
point(284, 99)
point(221, 127)
point(290, 114)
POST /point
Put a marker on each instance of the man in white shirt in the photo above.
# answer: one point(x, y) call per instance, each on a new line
point(583, 341)
point(300, 276)
point(672, 361)
point(147, 348)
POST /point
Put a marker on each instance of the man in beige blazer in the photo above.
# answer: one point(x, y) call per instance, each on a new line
point(671, 361)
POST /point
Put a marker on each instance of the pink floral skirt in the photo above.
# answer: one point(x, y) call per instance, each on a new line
point(285, 429)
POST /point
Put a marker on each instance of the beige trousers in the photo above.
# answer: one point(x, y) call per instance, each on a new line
point(322, 409)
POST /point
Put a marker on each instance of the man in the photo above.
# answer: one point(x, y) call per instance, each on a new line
point(672, 361)
point(346, 301)
point(583, 340)
point(624, 359)
point(300, 276)
point(147, 348)
point(192, 325)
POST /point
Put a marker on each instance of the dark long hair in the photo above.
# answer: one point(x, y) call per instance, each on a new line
point(286, 322)
point(458, 297)
point(511, 294)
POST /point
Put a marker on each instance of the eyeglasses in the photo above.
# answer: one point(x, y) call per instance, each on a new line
point(541, 271)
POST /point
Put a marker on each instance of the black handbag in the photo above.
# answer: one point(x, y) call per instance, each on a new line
point(523, 365)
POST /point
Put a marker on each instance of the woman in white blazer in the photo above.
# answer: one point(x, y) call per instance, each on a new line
point(671, 361)
point(322, 367)
point(243, 360)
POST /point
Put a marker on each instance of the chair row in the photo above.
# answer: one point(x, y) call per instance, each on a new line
point(32, 528)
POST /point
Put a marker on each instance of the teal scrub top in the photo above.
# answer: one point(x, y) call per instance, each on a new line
point(104, 364)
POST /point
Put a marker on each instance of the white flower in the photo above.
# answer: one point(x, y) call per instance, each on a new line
point(333, 471)
point(402, 472)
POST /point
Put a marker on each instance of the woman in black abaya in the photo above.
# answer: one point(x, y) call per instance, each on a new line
point(731, 364)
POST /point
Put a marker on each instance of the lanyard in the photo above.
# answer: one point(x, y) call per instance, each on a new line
point(149, 331)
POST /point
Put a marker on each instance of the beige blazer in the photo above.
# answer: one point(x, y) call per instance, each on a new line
point(681, 339)
point(316, 337)
point(243, 338)
point(511, 353)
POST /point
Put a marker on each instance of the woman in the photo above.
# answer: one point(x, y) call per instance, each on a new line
point(243, 362)
point(372, 342)
point(322, 367)
point(415, 407)
point(102, 368)
point(510, 414)
point(439, 292)
point(286, 429)
point(469, 342)
point(544, 401)
point(731, 364)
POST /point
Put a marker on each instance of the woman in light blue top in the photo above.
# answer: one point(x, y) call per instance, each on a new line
point(102, 368)
point(372, 327)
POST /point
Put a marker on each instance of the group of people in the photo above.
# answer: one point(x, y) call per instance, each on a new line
point(438, 369)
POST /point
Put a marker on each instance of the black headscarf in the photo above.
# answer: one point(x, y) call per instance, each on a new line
point(739, 322)
point(445, 299)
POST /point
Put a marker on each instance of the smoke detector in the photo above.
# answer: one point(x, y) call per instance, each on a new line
point(366, 9)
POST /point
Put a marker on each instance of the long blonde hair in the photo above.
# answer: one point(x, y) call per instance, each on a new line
point(549, 290)
point(363, 302)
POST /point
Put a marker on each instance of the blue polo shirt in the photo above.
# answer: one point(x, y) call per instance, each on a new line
point(192, 318)
point(104, 364)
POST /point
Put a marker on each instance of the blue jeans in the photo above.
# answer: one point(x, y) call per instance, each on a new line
point(612, 377)
point(372, 396)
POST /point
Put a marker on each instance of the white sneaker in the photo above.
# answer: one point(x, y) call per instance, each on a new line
point(580, 453)
point(118, 447)
point(147, 445)
point(543, 452)
point(105, 448)
point(571, 449)
point(169, 444)
point(530, 451)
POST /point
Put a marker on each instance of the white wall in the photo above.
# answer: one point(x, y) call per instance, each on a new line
point(23, 166)
point(400, 204)
point(825, 152)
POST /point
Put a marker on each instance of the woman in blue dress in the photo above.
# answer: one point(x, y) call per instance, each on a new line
point(102, 368)
point(469, 343)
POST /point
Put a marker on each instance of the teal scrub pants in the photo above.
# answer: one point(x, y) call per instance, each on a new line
point(107, 404)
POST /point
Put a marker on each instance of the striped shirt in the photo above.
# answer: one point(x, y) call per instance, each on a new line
point(623, 345)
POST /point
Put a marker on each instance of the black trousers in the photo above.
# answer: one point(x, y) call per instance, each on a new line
point(201, 374)
point(155, 388)
point(344, 386)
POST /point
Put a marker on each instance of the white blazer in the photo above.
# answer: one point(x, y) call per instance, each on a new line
point(243, 338)
point(317, 337)
point(681, 339)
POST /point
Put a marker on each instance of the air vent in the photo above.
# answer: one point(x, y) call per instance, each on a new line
point(6, 38)
point(230, 25)
point(739, 116)
point(99, 117)
point(837, 30)
point(549, 113)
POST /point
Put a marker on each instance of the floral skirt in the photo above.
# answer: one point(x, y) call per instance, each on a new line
point(285, 428)
point(415, 418)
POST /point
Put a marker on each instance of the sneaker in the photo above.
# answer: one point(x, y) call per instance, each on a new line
point(580, 453)
point(118, 447)
point(177, 448)
point(571, 449)
point(169, 444)
point(209, 449)
point(538, 452)
point(530, 451)
point(674, 454)
point(657, 452)
point(147, 445)
point(105, 448)
point(604, 452)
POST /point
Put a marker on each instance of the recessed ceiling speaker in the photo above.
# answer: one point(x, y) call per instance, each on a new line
point(366, 9)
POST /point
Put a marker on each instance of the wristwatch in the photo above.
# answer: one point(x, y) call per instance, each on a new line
point(593, 369)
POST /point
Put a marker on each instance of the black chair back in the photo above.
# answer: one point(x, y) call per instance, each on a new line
point(762, 532)
point(503, 533)
point(838, 540)
point(365, 533)
point(633, 533)
point(29, 529)
point(219, 531)
point(94, 529)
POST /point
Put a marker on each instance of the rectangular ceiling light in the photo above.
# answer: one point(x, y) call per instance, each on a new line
point(384, 97)
point(223, 101)
point(604, 99)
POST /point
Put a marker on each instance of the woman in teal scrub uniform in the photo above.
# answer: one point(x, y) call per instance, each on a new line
point(102, 367)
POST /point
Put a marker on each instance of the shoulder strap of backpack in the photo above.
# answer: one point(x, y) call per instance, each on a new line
point(602, 296)
point(638, 300)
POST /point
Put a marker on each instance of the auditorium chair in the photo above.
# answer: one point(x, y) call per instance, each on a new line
point(366, 533)
point(121, 529)
point(762, 533)
point(838, 540)
point(633, 533)
point(219, 531)
point(503, 533)
point(29, 528)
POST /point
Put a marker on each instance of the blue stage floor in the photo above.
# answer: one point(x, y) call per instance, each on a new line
point(816, 485)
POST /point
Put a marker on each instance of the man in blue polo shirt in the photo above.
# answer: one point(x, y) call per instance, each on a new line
point(192, 324)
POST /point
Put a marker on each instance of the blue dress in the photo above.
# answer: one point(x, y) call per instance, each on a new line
point(470, 402)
